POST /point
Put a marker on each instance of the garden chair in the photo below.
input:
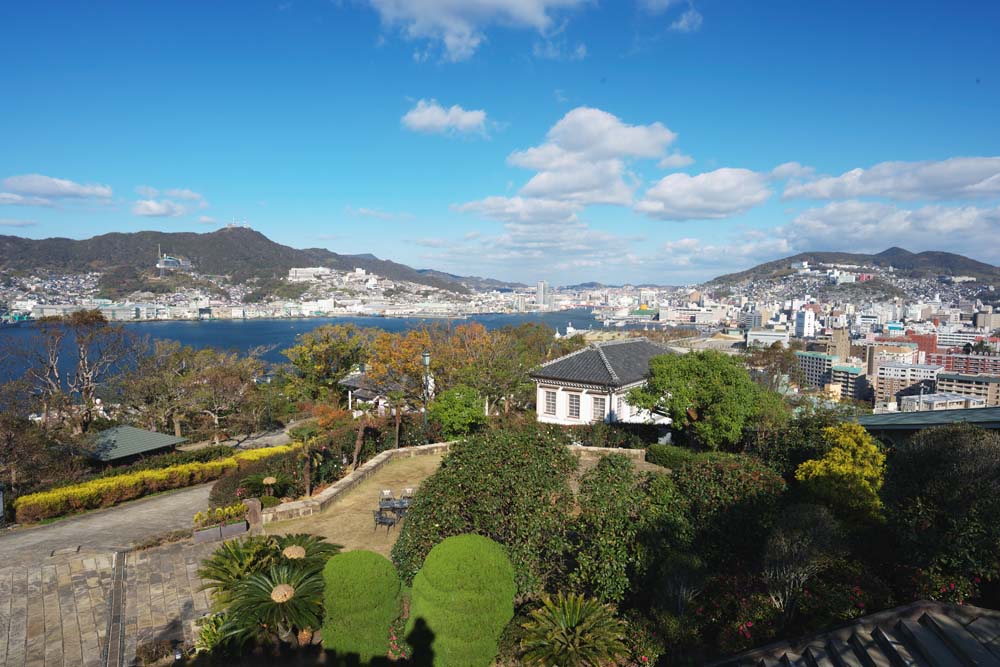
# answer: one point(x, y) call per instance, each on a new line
point(406, 494)
point(385, 499)
point(387, 519)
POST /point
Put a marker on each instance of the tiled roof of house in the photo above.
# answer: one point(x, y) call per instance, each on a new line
point(125, 441)
point(610, 364)
point(922, 633)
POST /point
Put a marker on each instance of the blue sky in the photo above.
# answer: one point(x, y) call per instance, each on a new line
point(636, 140)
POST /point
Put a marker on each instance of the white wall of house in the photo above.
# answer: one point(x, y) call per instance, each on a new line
point(557, 404)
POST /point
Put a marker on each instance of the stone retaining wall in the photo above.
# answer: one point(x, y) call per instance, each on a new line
point(329, 495)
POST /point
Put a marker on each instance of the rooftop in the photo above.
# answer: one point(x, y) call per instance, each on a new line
point(922, 633)
point(909, 421)
point(125, 441)
point(610, 364)
point(969, 377)
point(817, 355)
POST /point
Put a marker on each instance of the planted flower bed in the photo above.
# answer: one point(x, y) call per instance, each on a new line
point(109, 491)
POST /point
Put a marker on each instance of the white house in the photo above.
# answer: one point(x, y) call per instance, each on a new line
point(592, 384)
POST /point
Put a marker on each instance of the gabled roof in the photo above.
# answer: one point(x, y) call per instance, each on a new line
point(364, 388)
point(922, 633)
point(125, 441)
point(610, 364)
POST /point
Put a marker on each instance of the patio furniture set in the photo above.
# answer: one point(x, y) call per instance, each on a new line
point(391, 509)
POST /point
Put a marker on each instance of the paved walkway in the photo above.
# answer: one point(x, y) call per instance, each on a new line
point(104, 531)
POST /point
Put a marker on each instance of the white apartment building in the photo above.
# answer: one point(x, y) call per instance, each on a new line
point(805, 324)
point(894, 380)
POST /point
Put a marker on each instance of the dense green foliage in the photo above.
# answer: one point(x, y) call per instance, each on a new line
point(708, 395)
point(458, 411)
point(464, 593)
point(362, 599)
point(942, 497)
point(573, 631)
point(611, 504)
point(509, 485)
point(281, 600)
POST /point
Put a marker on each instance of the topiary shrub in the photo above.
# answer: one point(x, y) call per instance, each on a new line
point(669, 456)
point(465, 595)
point(362, 600)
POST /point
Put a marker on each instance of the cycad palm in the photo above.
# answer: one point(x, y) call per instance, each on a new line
point(279, 602)
point(572, 631)
point(312, 556)
point(233, 562)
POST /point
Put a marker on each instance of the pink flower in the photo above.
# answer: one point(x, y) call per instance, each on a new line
point(749, 624)
point(943, 589)
point(976, 580)
point(953, 585)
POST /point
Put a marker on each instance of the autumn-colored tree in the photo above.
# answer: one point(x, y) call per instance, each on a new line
point(849, 476)
point(395, 369)
point(323, 357)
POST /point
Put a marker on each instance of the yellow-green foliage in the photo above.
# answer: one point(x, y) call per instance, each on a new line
point(850, 475)
point(219, 516)
point(108, 491)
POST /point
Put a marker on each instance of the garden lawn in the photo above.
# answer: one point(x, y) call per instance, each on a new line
point(348, 521)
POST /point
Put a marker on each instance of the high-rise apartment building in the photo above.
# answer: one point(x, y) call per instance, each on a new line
point(980, 385)
point(893, 380)
point(805, 324)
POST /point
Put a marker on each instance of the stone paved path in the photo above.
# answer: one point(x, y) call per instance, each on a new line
point(105, 531)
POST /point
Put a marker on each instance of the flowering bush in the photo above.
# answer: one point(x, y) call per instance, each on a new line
point(109, 491)
point(934, 584)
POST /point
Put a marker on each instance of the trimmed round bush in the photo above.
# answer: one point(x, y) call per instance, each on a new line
point(362, 600)
point(465, 594)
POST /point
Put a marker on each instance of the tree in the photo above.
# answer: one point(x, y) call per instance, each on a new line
point(611, 507)
point(459, 412)
point(222, 388)
point(708, 395)
point(942, 496)
point(849, 476)
point(573, 631)
point(323, 357)
point(395, 369)
point(773, 367)
point(154, 388)
point(465, 594)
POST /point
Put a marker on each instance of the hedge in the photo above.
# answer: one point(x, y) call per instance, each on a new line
point(465, 594)
point(109, 491)
point(362, 599)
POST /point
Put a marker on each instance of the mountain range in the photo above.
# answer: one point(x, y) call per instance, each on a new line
point(928, 264)
point(240, 253)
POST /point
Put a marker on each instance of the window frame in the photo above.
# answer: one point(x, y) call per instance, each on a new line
point(551, 402)
point(569, 405)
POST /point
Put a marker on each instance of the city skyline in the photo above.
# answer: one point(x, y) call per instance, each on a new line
point(650, 141)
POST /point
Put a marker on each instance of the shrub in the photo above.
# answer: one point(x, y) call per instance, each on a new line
point(616, 436)
point(229, 488)
point(731, 502)
point(362, 599)
point(202, 455)
point(511, 486)
point(611, 504)
point(269, 501)
point(849, 476)
point(465, 594)
point(573, 630)
point(281, 603)
point(154, 651)
point(220, 516)
point(670, 456)
point(109, 491)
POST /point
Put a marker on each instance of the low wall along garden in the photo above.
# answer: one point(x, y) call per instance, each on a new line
point(109, 491)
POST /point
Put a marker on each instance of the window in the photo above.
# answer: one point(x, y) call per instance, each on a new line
point(550, 402)
point(599, 407)
point(574, 406)
point(622, 411)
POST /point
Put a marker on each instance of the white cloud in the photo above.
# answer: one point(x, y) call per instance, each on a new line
point(432, 243)
point(689, 21)
point(657, 6)
point(953, 178)
point(716, 194)
point(459, 25)
point(11, 199)
point(206, 220)
point(521, 209)
point(583, 159)
point(8, 222)
point(185, 194)
point(46, 186)
point(158, 208)
point(675, 160)
point(147, 191)
point(431, 117)
point(788, 170)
